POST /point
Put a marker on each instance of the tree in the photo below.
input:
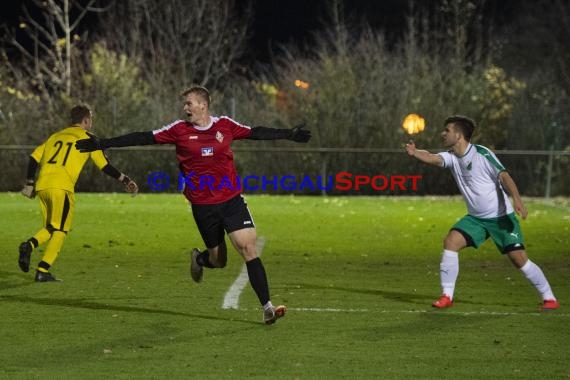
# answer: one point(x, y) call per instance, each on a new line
point(17, 108)
point(178, 42)
point(535, 47)
point(49, 58)
point(112, 84)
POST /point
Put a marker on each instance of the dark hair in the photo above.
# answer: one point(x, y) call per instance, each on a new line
point(78, 113)
point(465, 125)
point(199, 90)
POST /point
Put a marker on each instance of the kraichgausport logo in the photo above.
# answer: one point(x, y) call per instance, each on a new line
point(343, 181)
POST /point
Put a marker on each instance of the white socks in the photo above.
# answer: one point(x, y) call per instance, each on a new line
point(534, 275)
point(448, 271)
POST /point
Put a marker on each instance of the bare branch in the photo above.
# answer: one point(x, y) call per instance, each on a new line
point(180, 40)
point(80, 16)
point(39, 27)
point(51, 59)
point(21, 49)
point(54, 10)
point(98, 9)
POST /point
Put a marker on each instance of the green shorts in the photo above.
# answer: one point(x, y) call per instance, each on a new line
point(505, 231)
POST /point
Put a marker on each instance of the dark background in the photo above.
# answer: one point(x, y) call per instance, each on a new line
point(288, 22)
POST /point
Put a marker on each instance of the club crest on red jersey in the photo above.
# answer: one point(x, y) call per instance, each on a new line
point(207, 152)
point(219, 137)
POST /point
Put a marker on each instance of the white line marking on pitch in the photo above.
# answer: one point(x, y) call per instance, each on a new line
point(231, 299)
point(460, 313)
point(466, 313)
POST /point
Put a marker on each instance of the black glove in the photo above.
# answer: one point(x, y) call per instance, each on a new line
point(298, 134)
point(88, 145)
point(130, 185)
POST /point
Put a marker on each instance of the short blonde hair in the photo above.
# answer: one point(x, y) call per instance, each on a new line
point(200, 91)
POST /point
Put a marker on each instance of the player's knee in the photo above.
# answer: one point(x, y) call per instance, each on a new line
point(452, 243)
point(51, 229)
point(248, 251)
point(518, 257)
point(456, 240)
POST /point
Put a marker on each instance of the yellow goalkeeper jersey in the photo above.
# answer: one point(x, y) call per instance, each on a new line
point(60, 163)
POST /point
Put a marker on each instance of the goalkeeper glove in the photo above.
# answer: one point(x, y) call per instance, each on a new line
point(89, 145)
point(299, 134)
point(29, 190)
point(130, 185)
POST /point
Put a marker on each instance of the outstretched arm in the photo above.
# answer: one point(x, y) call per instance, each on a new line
point(423, 155)
point(94, 143)
point(29, 188)
point(130, 185)
point(297, 134)
point(511, 188)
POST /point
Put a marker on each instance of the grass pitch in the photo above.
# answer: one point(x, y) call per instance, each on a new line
point(358, 276)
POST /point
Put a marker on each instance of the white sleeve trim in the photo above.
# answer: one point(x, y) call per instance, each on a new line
point(166, 127)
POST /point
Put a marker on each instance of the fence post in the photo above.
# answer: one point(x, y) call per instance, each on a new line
point(233, 107)
point(549, 172)
point(323, 156)
point(114, 105)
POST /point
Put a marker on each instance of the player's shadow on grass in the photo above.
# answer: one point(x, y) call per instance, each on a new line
point(84, 304)
point(392, 295)
point(12, 280)
point(412, 298)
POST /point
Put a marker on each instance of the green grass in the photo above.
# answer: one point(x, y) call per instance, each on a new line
point(358, 276)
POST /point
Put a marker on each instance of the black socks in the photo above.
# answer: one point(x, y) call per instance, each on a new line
point(258, 279)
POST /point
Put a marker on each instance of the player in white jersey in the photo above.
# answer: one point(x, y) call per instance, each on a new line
point(484, 184)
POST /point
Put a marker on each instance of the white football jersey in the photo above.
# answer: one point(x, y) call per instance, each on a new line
point(477, 175)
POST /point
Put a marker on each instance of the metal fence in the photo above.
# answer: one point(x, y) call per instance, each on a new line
point(306, 170)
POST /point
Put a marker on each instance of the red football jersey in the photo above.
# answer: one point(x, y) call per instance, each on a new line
point(205, 157)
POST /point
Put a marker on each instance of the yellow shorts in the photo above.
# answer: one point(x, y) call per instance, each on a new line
point(58, 207)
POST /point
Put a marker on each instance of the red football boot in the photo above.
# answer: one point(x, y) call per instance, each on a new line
point(443, 302)
point(550, 305)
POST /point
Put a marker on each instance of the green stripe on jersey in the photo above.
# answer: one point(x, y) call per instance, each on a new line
point(485, 152)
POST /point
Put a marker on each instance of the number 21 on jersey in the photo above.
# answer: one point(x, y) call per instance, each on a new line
point(58, 145)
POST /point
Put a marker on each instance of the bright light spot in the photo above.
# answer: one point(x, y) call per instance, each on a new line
point(413, 124)
point(301, 84)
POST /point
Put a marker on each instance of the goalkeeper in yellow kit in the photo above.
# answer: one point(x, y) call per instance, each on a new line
point(60, 165)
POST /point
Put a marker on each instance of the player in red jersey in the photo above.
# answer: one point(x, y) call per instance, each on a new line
point(206, 160)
